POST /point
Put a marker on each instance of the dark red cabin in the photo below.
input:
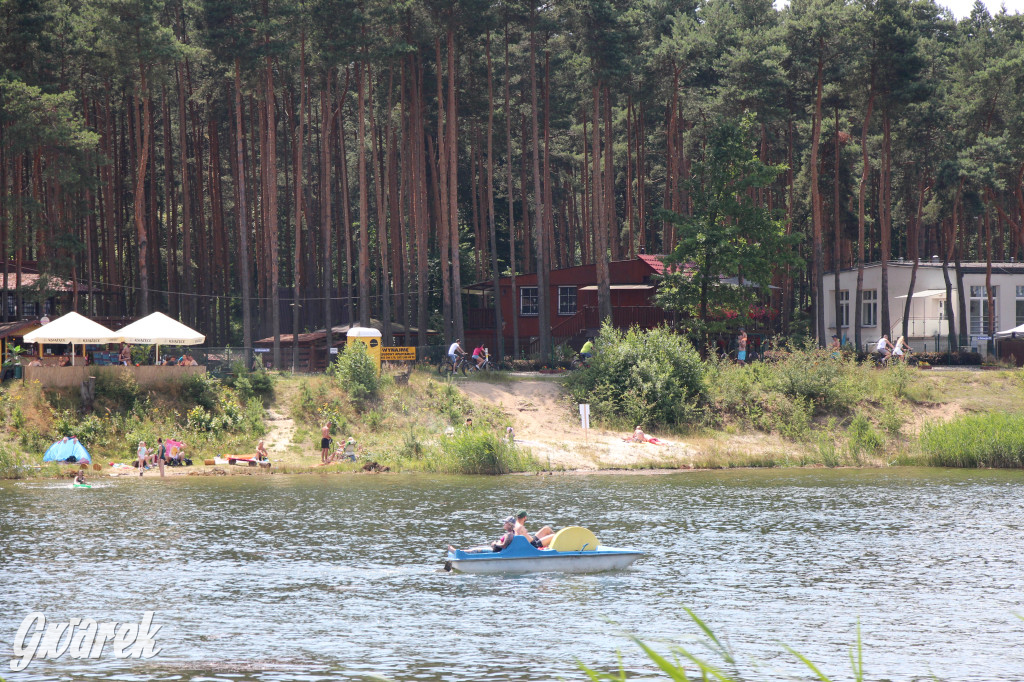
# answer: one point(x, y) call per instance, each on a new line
point(572, 293)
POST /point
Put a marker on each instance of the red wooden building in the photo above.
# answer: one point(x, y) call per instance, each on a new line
point(572, 293)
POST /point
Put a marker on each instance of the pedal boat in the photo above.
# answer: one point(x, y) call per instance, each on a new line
point(573, 550)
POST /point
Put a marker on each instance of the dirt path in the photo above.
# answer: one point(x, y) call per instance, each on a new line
point(548, 424)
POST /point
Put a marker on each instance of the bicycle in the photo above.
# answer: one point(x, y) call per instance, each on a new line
point(448, 368)
point(579, 362)
point(485, 366)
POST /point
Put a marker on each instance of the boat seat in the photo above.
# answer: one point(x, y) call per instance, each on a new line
point(574, 539)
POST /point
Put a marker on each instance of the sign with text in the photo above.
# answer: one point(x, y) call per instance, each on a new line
point(397, 353)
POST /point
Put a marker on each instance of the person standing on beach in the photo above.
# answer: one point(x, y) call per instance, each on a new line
point(141, 455)
point(325, 442)
point(161, 455)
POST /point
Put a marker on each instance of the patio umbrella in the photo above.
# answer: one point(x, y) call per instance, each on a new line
point(72, 328)
point(158, 329)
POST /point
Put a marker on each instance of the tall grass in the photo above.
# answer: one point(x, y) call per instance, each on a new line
point(682, 664)
point(10, 463)
point(976, 440)
point(477, 451)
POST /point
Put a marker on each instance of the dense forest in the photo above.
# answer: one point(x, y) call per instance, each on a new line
point(252, 166)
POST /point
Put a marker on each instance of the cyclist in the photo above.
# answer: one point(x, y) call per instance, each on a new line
point(587, 351)
point(883, 349)
point(478, 355)
point(454, 351)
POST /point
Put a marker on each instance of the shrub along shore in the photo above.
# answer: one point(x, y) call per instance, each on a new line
point(824, 409)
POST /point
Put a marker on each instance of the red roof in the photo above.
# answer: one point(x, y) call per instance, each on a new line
point(653, 261)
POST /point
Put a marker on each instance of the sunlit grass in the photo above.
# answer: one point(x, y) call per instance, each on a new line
point(976, 440)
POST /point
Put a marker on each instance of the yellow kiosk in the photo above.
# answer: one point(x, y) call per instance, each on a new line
point(369, 337)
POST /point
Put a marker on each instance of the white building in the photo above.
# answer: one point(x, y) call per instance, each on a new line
point(927, 328)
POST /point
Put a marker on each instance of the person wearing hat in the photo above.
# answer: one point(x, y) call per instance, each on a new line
point(509, 526)
point(543, 537)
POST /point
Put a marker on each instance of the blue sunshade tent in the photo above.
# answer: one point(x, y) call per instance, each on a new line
point(64, 448)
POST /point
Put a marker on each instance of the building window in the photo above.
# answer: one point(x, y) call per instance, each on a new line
point(869, 308)
point(566, 300)
point(30, 308)
point(10, 305)
point(528, 300)
point(1020, 306)
point(979, 310)
point(844, 309)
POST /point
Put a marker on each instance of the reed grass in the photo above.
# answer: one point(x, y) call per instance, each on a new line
point(976, 440)
point(682, 664)
point(478, 451)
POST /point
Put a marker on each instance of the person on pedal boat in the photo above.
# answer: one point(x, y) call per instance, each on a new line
point(541, 539)
point(509, 526)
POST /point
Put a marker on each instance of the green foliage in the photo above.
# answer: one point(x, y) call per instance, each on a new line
point(11, 465)
point(357, 373)
point(891, 419)
point(478, 451)
point(118, 389)
point(654, 378)
point(200, 389)
point(141, 355)
point(255, 383)
point(728, 233)
point(374, 420)
point(862, 437)
point(976, 440)
point(449, 401)
point(783, 396)
point(686, 665)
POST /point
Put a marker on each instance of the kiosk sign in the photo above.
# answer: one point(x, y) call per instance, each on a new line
point(397, 353)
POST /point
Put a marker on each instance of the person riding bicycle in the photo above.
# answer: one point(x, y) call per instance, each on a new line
point(454, 351)
point(883, 349)
point(587, 350)
point(900, 349)
point(478, 355)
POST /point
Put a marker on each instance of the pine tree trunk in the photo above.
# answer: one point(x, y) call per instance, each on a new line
point(865, 172)
point(242, 215)
point(604, 289)
point(817, 268)
point(499, 326)
point(543, 293)
point(441, 197)
point(141, 231)
point(511, 208)
point(453, 187)
point(364, 210)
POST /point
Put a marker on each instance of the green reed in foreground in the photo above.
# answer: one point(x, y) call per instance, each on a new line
point(976, 440)
point(685, 665)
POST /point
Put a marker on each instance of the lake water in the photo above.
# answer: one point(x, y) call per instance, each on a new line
point(338, 577)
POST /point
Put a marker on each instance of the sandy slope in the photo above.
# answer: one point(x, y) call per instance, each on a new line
point(549, 425)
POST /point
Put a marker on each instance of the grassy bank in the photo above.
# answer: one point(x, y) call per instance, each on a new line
point(212, 417)
point(807, 408)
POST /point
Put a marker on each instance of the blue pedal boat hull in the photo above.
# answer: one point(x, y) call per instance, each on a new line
point(522, 557)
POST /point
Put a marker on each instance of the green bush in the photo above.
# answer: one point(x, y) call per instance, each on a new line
point(478, 451)
point(202, 390)
point(655, 378)
point(976, 440)
point(814, 374)
point(357, 373)
point(118, 388)
point(11, 465)
point(862, 437)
